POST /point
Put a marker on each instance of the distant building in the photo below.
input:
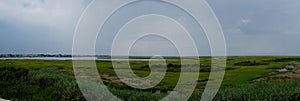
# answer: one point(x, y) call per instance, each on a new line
point(282, 70)
point(290, 67)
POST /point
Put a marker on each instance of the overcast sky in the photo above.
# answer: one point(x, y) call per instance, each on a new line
point(251, 27)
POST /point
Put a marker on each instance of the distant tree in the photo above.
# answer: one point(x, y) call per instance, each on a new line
point(170, 65)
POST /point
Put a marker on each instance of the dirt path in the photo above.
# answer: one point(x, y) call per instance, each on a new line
point(132, 81)
point(295, 74)
point(292, 75)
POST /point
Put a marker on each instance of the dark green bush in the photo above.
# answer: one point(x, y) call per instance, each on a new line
point(37, 85)
point(250, 63)
point(10, 73)
point(283, 60)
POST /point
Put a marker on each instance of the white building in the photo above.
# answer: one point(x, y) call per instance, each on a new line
point(282, 70)
point(289, 67)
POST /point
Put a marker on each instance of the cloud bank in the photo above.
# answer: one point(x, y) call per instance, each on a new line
point(251, 27)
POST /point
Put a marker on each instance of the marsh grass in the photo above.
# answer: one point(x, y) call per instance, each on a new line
point(51, 80)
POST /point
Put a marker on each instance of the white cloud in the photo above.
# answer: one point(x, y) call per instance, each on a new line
point(250, 26)
point(49, 13)
point(38, 26)
point(245, 21)
point(157, 25)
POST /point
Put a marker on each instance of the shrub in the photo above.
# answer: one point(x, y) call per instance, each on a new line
point(250, 63)
point(10, 73)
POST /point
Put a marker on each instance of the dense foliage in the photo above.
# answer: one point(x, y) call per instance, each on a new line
point(37, 84)
point(250, 63)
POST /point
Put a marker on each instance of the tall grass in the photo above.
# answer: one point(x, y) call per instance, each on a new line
point(263, 91)
point(47, 85)
point(37, 84)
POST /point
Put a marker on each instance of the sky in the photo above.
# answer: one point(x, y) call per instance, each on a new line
point(251, 27)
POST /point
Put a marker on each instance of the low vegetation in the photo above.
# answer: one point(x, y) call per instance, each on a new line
point(54, 80)
point(250, 63)
point(284, 60)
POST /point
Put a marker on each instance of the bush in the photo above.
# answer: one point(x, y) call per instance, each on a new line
point(37, 84)
point(283, 60)
point(250, 63)
point(11, 73)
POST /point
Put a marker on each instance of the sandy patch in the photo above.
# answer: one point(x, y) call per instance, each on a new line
point(295, 74)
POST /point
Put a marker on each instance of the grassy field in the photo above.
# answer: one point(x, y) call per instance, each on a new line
point(246, 78)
